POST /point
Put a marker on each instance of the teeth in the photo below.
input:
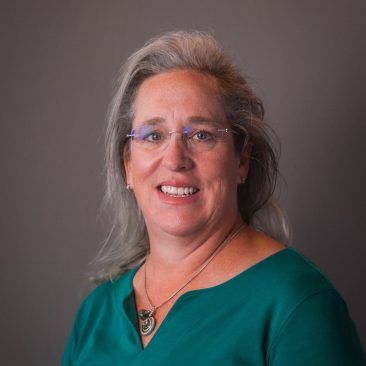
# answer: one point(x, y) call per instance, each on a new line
point(178, 191)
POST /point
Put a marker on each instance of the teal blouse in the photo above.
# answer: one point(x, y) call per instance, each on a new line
point(282, 311)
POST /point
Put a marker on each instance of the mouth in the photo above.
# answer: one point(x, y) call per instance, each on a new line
point(178, 191)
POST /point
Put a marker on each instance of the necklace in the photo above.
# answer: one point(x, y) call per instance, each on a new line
point(147, 315)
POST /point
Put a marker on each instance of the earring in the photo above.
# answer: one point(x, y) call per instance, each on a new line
point(243, 180)
point(129, 188)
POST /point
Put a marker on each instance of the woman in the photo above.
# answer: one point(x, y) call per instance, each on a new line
point(198, 273)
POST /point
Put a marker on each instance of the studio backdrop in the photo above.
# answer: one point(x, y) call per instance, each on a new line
point(306, 59)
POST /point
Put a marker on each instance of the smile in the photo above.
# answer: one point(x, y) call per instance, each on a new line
point(178, 191)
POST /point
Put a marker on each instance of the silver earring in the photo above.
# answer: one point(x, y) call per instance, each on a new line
point(129, 188)
point(243, 180)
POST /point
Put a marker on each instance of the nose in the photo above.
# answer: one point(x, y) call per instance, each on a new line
point(176, 156)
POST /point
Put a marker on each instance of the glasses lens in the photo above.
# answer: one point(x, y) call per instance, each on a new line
point(204, 138)
point(143, 133)
point(199, 138)
point(149, 137)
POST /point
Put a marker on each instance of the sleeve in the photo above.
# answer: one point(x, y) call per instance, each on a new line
point(68, 356)
point(319, 332)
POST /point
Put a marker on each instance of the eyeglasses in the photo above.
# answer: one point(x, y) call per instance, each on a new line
point(199, 138)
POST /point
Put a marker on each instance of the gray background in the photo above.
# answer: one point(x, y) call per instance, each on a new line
point(307, 60)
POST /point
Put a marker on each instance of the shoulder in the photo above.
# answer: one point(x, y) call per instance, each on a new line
point(295, 276)
point(98, 311)
point(102, 297)
point(310, 315)
point(284, 282)
point(296, 279)
point(279, 284)
point(283, 268)
point(307, 314)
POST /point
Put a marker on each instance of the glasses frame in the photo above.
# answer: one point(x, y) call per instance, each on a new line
point(133, 137)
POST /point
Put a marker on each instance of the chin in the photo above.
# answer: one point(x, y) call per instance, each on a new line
point(177, 225)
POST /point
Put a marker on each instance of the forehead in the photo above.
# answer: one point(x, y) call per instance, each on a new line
point(177, 96)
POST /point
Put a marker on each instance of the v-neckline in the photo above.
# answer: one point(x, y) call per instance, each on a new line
point(131, 313)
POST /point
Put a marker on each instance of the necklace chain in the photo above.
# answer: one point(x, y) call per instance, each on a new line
point(217, 250)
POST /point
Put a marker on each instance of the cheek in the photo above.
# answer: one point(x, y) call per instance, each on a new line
point(139, 168)
point(228, 167)
point(222, 177)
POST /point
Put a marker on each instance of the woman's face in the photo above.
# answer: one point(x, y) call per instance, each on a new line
point(181, 190)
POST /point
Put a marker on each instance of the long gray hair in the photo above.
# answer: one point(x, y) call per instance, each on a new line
point(127, 244)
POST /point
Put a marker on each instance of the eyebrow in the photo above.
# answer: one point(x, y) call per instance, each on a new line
point(196, 120)
point(152, 121)
point(199, 120)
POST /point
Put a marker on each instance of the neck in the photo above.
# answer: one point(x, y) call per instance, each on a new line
point(183, 255)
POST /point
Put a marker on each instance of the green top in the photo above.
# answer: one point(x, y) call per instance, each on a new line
point(282, 311)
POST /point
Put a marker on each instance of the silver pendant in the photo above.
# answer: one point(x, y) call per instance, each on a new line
point(148, 321)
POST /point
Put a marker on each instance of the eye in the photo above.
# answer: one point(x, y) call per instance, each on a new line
point(202, 135)
point(153, 136)
point(147, 133)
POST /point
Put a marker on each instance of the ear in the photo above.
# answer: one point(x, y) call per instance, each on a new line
point(126, 157)
point(244, 163)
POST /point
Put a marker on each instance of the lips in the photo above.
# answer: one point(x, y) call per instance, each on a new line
point(178, 191)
